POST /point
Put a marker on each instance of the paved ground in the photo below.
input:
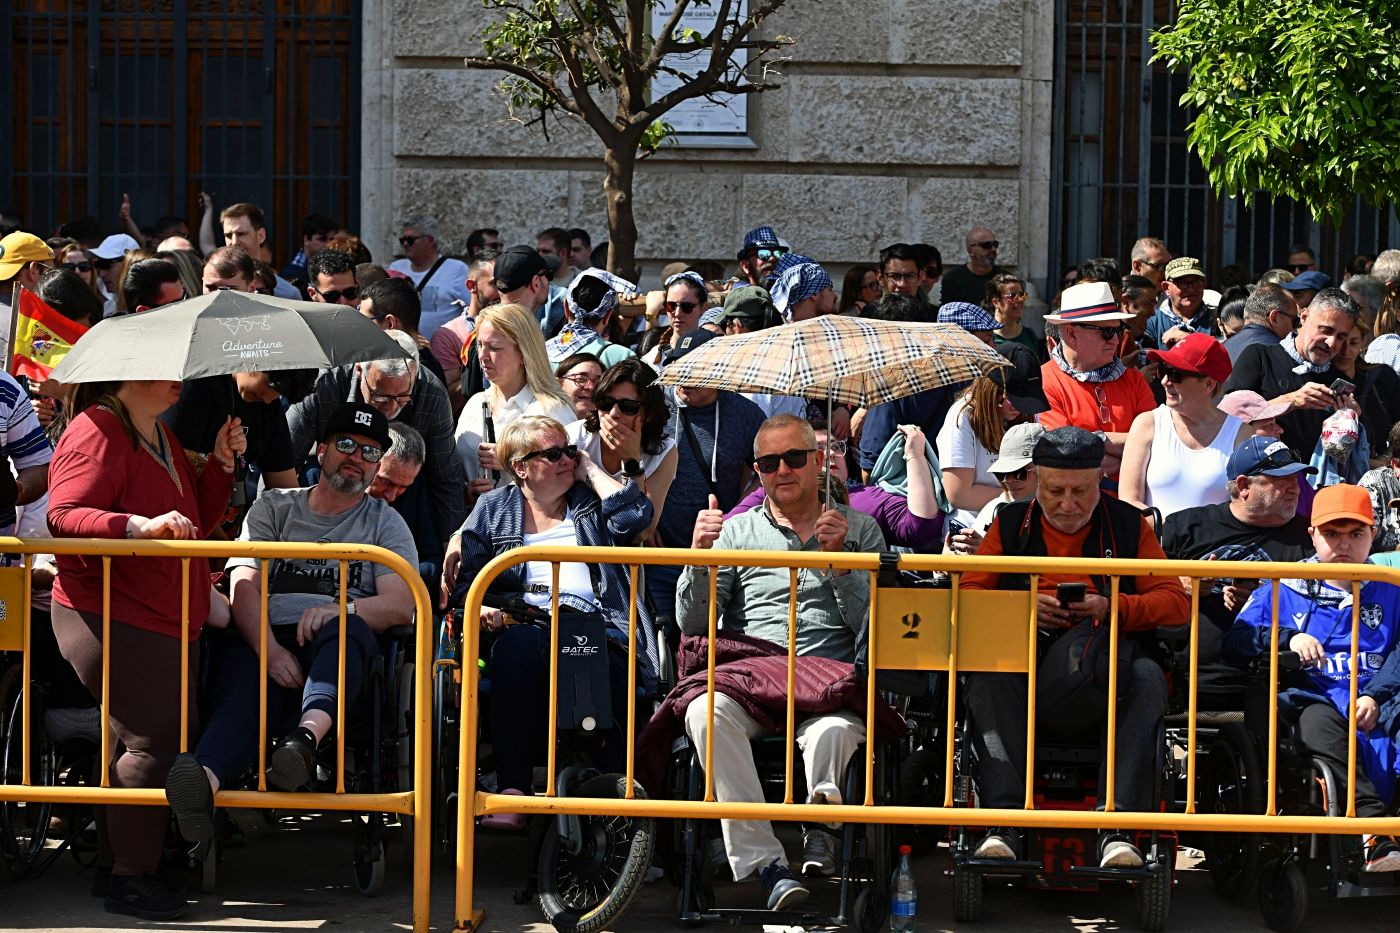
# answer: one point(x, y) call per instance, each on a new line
point(296, 876)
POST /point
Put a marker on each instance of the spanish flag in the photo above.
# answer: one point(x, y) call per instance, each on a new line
point(42, 337)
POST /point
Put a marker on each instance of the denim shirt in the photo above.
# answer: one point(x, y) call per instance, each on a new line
point(497, 524)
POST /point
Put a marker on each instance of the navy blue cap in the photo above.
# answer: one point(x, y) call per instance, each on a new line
point(1307, 281)
point(1265, 456)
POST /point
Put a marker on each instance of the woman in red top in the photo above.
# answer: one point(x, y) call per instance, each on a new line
point(119, 473)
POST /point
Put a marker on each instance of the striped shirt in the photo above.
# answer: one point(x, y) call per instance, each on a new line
point(21, 437)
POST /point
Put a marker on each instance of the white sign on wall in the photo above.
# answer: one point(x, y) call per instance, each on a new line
point(721, 122)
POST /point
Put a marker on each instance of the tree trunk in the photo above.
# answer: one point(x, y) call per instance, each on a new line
point(620, 167)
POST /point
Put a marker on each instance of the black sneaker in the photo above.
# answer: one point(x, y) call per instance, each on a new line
point(293, 761)
point(145, 897)
point(781, 887)
point(191, 799)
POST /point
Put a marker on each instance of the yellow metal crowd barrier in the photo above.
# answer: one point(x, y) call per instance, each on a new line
point(959, 631)
point(15, 636)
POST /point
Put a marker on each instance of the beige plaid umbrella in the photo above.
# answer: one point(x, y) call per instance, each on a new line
point(839, 358)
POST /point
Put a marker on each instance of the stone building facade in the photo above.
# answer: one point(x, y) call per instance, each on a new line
point(897, 120)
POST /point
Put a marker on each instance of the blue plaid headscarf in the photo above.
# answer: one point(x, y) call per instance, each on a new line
point(579, 331)
point(798, 278)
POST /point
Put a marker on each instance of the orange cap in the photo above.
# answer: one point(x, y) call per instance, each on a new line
point(1342, 502)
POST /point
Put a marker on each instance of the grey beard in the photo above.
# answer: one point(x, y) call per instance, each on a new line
point(345, 485)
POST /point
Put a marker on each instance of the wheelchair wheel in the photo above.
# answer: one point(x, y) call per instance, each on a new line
point(1233, 785)
point(967, 895)
point(370, 857)
point(587, 890)
point(24, 826)
point(1154, 899)
point(869, 911)
point(446, 734)
point(1283, 895)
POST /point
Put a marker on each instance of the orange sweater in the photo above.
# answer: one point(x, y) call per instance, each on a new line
point(1158, 600)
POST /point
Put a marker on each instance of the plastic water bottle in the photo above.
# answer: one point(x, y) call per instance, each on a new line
point(904, 896)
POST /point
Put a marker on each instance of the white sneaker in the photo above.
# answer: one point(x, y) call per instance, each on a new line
point(1120, 853)
point(818, 853)
point(999, 845)
point(1382, 854)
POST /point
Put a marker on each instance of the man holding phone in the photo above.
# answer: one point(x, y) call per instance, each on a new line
point(1298, 369)
point(1068, 517)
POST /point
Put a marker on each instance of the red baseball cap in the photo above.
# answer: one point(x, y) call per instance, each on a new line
point(1197, 353)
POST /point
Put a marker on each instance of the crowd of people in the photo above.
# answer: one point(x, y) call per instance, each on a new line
point(1139, 413)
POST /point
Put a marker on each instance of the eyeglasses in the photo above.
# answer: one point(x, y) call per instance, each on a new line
point(407, 241)
point(1019, 476)
point(833, 447)
point(1014, 299)
point(78, 266)
point(875, 284)
point(348, 445)
point(104, 264)
point(1297, 267)
point(211, 289)
point(988, 244)
point(1177, 375)
point(333, 296)
point(582, 381)
point(1159, 266)
point(899, 278)
point(1107, 333)
point(796, 459)
point(377, 399)
point(628, 406)
point(681, 307)
point(1101, 396)
point(552, 454)
point(771, 253)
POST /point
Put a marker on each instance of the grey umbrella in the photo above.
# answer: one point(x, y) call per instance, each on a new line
point(224, 332)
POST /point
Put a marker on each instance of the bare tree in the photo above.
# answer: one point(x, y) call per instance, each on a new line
point(598, 60)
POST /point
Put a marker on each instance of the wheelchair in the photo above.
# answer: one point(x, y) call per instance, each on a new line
point(63, 733)
point(1296, 867)
point(378, 759)
point(1065, 776)
point(583, 871)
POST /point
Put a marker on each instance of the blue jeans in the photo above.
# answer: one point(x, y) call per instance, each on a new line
point(229, 745)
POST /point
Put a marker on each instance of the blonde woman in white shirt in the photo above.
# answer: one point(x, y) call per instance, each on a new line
point(512, 354)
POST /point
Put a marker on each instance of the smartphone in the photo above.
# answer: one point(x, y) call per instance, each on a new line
point(1341, 387)
point(1068, 593)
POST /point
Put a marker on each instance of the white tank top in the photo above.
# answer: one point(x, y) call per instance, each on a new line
point(1179, 477)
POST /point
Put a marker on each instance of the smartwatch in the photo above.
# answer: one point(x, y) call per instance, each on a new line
point(632, 468)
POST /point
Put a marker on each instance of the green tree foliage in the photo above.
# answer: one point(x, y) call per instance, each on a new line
point(598, 60)
point(1296, 98)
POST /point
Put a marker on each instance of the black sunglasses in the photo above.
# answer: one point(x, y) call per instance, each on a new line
point(1177, 375)
point(1018, 475)
point(684, 307)
point(989, 244)
point(796, 459)
point(628, 406)
point(1300, 266)
point(333, 296)
point(407, 241)
point(78, 266)
point(368, 452)
point(552, 454)
point(1107, 333)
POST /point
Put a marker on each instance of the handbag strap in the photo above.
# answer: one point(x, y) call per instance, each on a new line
point(695, 452)
point(424, 280)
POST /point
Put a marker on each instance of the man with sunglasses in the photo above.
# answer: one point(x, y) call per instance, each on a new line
point(1187, 307)
point(758, 258)
point(440, 280)
point(303, 611)
point(832, 606)
point(23, 258)
point(1301, 258)
point(331, 279)
point(968, 282)
point(1085, 382)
